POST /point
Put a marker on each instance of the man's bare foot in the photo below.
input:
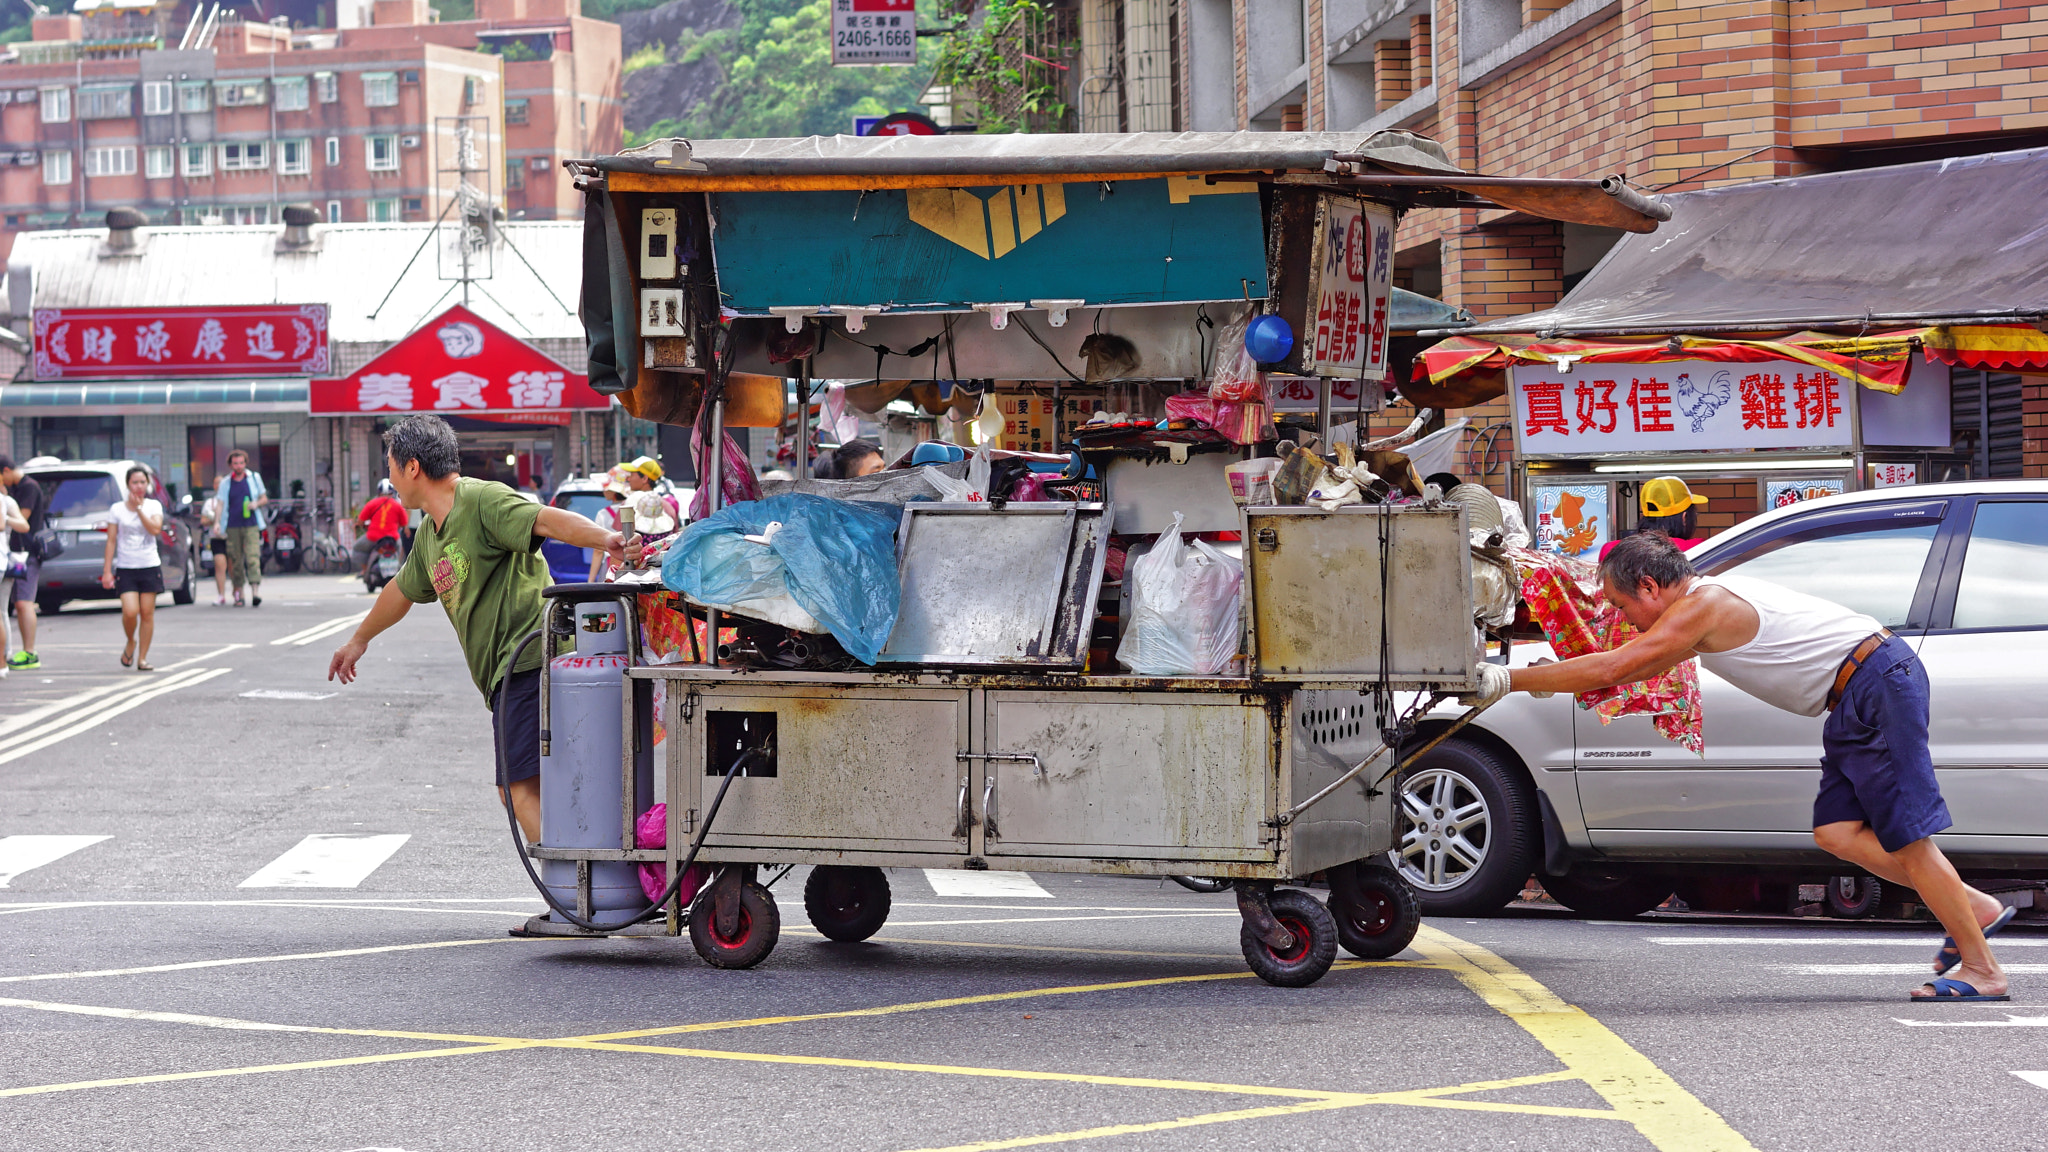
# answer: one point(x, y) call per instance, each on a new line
point(1987, 981)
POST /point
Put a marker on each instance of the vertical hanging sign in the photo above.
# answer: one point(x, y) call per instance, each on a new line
point(1354, 279)
point(874, 32)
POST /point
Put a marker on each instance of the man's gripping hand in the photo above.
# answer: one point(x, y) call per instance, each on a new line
point(1493, 684)
point(343, 664)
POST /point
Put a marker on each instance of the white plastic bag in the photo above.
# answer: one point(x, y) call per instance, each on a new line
point(978, 469)
point(950, 491)
point(1184, 609)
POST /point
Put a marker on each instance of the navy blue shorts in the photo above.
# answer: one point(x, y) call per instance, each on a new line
point(515, 728)
point(1874, 766)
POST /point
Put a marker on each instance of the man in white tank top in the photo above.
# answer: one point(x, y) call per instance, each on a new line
point(1878, 806)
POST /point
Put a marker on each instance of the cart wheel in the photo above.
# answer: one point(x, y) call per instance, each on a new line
point(846, 903)
point(1854, 897)
point(1382, 914)
point(1315, 941)
point(753, 938)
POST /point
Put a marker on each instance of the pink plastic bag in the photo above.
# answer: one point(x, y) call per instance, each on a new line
point(652, 832)
point(740, 485)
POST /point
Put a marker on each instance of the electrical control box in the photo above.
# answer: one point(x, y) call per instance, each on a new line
point(658, 244)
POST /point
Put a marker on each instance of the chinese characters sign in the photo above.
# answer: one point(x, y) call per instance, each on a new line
point(1893, 475)
point(874, 32)
point(1354, 279)
point(457, 364)
point(1678, 406)
point(1785, 493)
point(177, 343)
point(1298, 394)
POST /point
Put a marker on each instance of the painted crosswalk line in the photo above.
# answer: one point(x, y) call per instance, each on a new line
point(954, 882)
point(2037, 1079)
point(19, 744)
point(18, 854)
point(328, 861)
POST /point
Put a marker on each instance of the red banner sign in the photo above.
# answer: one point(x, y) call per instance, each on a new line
point(458, 364)
point(178, 343)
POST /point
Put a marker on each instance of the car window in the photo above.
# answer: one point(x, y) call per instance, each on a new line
point(79, 493)
point(1873, 568)
point(584, 504)
point(2002, 584)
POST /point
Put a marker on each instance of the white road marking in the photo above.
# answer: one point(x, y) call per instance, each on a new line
point(2037, 1079)
point(18, 854)
point(1872, 941)
point(189, 965)
point(284, 694)
point(328, 861)
point(1050, 919)
point(158, 1017)
point(325, 628)
point(126, 683)
point(1925, 970)
point(958, 882)
point(69, 726)
point(2009, 1022)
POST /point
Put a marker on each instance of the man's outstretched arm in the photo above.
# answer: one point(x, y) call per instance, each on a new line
point(390, 608)
point(1670, 641)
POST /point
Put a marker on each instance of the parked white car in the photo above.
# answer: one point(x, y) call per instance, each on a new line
point(1612, 816)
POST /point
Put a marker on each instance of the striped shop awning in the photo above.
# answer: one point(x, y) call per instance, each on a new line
point(170, 397)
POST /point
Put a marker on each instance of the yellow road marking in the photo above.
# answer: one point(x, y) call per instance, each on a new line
point(1667, 1115)
point(1152, 1126)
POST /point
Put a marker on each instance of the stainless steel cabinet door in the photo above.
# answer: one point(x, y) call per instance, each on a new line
point(1754, 786)
point(1129, 775)
point(855, 768)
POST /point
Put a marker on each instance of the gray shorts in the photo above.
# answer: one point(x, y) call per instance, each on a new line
point(25, 586)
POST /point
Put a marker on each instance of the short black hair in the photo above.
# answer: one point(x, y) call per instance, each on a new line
point(1684, 525)
point(851, 453)
point(142, 468)
point(234, 452)
point(6, 461)
point(427, 439)
point(1445, 481)
point(1649, 555)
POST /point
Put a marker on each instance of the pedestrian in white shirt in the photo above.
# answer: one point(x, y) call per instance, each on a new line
point(13, 528)
point(133, 567)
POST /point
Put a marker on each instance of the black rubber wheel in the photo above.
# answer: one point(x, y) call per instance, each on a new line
point(1315, 941)
point(760, 922)
point(1378, 917)
point(1609, 893)
point(1469, 830)
point(186, 591)
point(1201, 883)
point(1854, 897)
point(846, 903)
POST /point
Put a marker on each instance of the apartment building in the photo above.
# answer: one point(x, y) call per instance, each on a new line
point(379, 122)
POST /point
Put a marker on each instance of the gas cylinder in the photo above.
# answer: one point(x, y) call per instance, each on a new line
point(581, 787)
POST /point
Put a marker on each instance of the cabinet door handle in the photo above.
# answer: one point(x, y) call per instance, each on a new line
point(988, 806)
point(961, 816)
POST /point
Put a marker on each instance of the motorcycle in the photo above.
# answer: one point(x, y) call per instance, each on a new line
point(285, 544)
point(385, 560)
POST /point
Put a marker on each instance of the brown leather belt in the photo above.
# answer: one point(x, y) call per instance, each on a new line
point(1870, 644)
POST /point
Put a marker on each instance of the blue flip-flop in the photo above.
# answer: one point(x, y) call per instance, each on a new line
point(1955, 992)
point(1949, 957)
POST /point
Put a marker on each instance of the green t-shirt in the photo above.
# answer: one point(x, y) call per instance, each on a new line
point(483, 564)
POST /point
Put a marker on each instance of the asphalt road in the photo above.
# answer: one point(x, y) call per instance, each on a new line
point(159, 989)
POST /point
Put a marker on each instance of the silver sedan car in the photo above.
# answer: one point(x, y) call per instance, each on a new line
point(1613, 816)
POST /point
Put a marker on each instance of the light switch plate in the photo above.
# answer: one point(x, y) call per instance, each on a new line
point(661, 312)
point(657, 244)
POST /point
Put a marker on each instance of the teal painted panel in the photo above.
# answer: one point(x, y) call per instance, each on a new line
point(946, 249)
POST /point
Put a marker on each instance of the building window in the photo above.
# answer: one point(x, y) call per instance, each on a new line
point(294, 157)
point(156, 97)
point(409, 76)
point(245, 156)
point(159, 162)
point(472, 91)
point(56, 167)
point(334, 211)
point(80, 437)
point(412, 204)
point(56, 105)
point(515, 173)
point(115, 161)
point(583, 114)
point(380, 89)
point(291, 93)
point(517, 111)
point(246, 214)
point(207, 447)
point(381, 153)
point(194, 96)
point(106, 103)
point(239, 93)
point(197, 160)
point(328, 86)
point(384, 211)
point(334, 151)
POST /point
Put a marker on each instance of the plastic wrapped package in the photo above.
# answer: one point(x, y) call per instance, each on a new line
point(1246, 423)
point(1237, 376)
point(651, 831)
point(834, 559)
point(1184, 608)
point(738, 474)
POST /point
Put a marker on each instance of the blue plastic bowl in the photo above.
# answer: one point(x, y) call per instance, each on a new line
point(1269, 339)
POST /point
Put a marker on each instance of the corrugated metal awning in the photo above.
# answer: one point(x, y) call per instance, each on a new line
point(172, 397)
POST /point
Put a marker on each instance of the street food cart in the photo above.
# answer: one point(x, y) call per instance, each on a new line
point(991, 730)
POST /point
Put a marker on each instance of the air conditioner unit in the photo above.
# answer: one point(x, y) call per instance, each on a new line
point(408, 141)
point(25, 159)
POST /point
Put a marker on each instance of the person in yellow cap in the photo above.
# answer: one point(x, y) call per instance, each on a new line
point(642, 473)
point(1667, 506)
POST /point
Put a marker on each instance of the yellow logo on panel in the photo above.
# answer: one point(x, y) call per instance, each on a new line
point(990, 228)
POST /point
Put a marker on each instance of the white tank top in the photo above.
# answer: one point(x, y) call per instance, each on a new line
point(1800, 644)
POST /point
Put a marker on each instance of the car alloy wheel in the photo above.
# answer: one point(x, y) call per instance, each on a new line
point(1449, 829)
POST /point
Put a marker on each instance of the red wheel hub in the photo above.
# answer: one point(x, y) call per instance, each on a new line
point(1295, 954)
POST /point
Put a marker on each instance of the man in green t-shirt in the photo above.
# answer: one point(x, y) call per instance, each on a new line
point(477, 552)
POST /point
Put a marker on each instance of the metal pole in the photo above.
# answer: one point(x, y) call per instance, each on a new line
point(803, 419)
point(1323, 413)
point(715, 476)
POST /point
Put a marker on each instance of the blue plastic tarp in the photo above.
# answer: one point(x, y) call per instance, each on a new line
point(837, 559)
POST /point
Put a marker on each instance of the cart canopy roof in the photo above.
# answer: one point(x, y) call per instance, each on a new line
point(1957, 239)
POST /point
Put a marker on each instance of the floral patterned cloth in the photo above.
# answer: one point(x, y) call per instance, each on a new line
point(1563, 596)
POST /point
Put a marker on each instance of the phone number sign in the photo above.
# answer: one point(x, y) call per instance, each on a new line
point(874, 32)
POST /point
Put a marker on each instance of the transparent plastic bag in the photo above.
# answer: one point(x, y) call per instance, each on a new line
point(1236, 376)
point(1184, 609)
point(978, 469)
point(950, 491)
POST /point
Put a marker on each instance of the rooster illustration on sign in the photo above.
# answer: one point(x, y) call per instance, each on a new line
point(1701, 401)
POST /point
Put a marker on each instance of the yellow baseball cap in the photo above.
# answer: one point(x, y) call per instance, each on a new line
point(647, 466)
point(1667, 496)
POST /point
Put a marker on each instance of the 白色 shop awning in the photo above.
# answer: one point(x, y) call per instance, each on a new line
point(173, 398)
